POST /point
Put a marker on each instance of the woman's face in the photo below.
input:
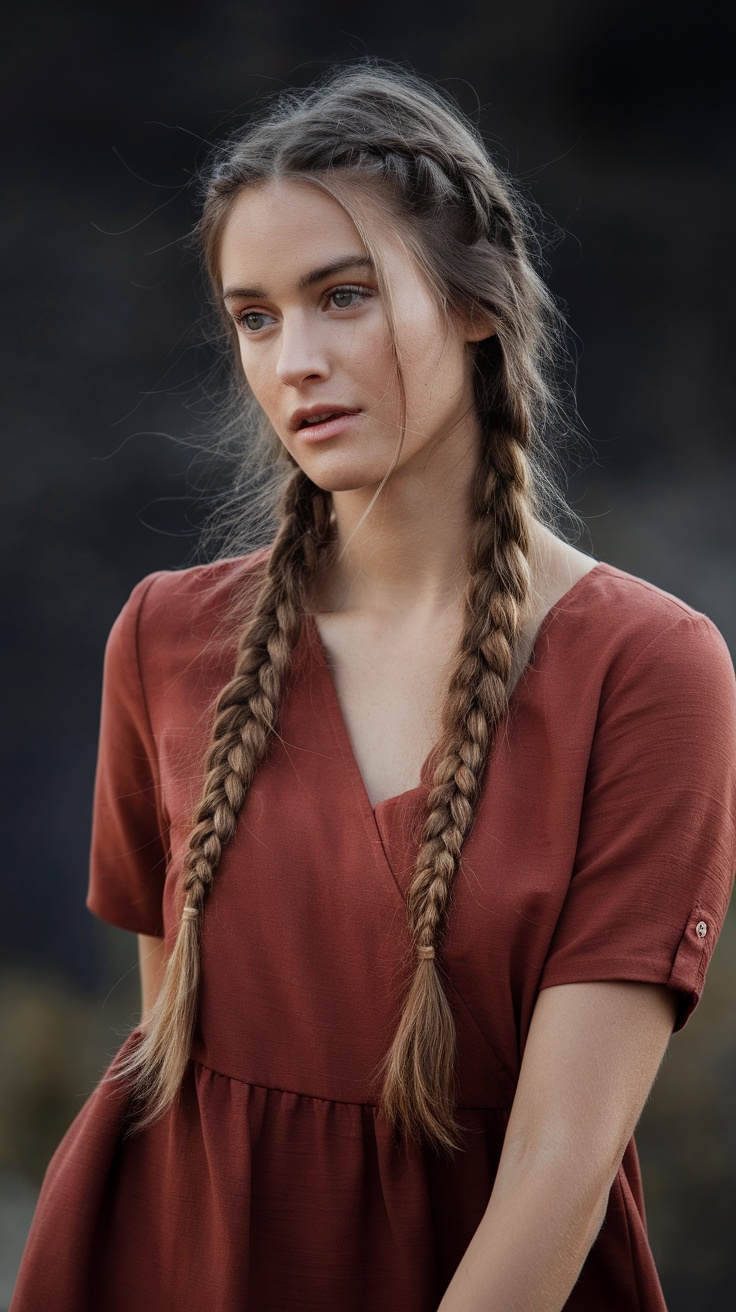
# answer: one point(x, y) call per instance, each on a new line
point(315, 342)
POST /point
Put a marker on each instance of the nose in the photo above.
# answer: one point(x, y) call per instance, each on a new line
point(302, 355)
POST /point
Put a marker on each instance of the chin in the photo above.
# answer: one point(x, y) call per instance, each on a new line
point(344, 476)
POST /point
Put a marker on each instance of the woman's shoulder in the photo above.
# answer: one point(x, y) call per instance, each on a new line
point(175, 617)
point(600, 605)
point(620, 622)
point(199, 596)
point(611, 597)
point(606, 592)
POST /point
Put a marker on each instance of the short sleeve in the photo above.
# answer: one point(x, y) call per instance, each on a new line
point(656, 850)
point(129, 834)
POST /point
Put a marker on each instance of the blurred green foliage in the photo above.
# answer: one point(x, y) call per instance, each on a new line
point(56, 1043)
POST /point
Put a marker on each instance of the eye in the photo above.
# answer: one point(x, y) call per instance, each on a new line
point(344, 298)
point(253, 320)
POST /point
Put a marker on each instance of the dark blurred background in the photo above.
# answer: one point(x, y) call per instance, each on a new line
point(620, 120)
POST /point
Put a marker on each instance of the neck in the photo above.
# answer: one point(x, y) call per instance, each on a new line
point(409, 552)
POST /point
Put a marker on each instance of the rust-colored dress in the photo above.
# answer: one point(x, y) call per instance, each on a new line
point(603, 849)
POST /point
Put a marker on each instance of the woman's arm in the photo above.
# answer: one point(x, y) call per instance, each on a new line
point(591, 1057)
point(152, 961)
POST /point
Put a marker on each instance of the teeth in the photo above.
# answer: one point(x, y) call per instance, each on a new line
point(320, 419)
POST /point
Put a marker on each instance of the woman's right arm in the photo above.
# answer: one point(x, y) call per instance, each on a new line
point(152, 960)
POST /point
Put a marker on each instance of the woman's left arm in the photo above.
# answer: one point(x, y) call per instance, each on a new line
point(590, 1060)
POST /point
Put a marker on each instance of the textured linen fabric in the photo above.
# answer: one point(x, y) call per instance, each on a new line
point(603, 849)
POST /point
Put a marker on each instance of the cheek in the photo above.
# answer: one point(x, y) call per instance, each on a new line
point(256, 374)
point(364, 355)
point(432, 354)
point(435, 372)
point(429, 379)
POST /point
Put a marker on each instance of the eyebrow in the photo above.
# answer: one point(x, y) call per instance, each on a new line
point(308, 280)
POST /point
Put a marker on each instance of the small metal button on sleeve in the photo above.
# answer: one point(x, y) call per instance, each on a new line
point(701, 929)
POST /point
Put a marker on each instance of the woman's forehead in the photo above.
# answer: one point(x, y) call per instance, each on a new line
point(283, 230)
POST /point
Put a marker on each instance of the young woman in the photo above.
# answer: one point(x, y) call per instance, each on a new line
point(425, 819)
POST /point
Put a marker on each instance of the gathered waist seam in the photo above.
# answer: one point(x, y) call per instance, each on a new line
point(296, 1093)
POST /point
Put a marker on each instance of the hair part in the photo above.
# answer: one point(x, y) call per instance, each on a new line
point(376, 132)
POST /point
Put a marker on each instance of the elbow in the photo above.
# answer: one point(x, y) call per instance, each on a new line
point(580, 1178)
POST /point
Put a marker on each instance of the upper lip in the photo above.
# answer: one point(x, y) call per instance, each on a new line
point(311, 412)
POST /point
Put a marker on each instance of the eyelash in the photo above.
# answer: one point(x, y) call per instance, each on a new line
point(363, 293)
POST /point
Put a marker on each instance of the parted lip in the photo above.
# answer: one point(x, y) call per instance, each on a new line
point(312, 411)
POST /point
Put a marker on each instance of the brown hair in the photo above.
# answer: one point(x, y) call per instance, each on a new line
point(467, 229)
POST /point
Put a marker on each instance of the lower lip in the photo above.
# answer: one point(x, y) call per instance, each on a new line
point(330, 428)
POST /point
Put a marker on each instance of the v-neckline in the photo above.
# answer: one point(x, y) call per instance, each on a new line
point(341, 730)
point(338, 719)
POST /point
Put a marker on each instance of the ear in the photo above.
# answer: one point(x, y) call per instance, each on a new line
point(479, 326)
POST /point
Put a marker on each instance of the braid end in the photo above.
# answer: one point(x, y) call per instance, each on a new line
point(154, 1069)
point(418, 1072)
